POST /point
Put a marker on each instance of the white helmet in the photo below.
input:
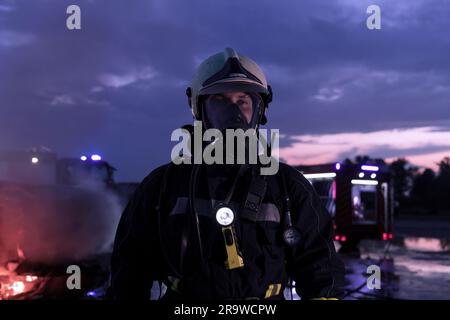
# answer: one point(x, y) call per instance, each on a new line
point(228, 71)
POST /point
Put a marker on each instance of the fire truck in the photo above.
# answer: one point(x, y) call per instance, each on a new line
point(359, 197)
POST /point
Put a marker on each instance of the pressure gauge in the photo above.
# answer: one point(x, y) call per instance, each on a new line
point(291, 236)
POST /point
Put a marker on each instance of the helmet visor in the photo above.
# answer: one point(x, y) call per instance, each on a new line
point(232, 110)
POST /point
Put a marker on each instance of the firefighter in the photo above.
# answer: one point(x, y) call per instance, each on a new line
point(225, 231)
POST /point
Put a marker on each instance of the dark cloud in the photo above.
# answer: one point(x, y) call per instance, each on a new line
point(117, 86)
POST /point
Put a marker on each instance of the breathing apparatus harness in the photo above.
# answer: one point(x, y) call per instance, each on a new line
point(226, 217)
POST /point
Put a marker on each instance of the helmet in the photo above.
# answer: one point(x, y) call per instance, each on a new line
point(227, 71)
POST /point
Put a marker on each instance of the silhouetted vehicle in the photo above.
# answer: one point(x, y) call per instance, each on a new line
point(53, 213)
point(358, 197)
point(44, 168)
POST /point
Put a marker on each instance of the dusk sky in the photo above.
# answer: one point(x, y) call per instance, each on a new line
point(117, 86)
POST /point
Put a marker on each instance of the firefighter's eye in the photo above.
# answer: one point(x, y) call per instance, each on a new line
point(218, 97)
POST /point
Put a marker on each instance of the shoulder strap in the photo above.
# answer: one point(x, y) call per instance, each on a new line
point(255, 195)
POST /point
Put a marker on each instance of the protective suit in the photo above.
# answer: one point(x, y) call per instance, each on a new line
point(222, 231)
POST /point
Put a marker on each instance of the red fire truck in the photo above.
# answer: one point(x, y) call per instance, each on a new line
point(359, 197)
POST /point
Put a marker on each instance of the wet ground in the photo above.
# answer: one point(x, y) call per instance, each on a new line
point(406, 272)
point(415, 271)
point(416, 265)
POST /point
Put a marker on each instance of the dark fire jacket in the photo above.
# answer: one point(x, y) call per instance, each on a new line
point(148, 241)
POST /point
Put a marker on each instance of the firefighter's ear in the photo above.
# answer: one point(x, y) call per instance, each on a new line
point(263, 119)
point(189, 95)
point(270, 95)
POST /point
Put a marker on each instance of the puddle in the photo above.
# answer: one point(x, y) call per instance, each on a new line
point(427, 244)
point(411, 268)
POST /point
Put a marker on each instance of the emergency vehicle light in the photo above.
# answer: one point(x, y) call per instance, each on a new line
point(369, 168)
point(320, 175)
point(96, 157)
point(365, 182)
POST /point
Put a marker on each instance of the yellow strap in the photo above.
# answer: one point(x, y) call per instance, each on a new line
point(273, 290)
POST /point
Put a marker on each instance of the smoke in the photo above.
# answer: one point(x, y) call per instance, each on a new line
point(57, 224)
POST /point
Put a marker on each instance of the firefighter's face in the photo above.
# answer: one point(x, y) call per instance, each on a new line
point(230, 110)
point(243, 100)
